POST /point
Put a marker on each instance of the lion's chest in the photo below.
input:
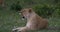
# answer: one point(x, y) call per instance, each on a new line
point(31, 25)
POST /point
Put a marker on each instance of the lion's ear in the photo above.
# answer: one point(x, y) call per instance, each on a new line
point(30, 10)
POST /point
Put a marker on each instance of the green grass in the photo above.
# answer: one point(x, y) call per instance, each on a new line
point(10, 18)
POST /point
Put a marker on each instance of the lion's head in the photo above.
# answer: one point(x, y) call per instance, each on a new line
point(26, 12)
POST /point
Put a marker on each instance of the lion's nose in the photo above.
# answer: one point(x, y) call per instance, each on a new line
point(23, 17)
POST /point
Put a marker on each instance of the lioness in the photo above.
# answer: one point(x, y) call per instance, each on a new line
point(34, 21)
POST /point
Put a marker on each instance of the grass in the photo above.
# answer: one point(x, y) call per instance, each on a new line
point(10, 18)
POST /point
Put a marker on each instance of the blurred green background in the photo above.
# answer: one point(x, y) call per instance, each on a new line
point(9, 17)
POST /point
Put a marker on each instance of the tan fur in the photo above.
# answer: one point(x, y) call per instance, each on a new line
point(34, 21)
